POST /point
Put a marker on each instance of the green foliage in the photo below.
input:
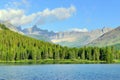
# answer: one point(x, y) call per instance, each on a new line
point(16, 47)
point(2, 26)
point(40, 37)
point(109, 56)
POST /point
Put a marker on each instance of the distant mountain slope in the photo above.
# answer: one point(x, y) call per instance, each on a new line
point(33, 32)
point(78, 39)
point(12, 27)
point(116, 46)
point(38, 33)
point(67, 38)
point(39, 37)
point(110, 38)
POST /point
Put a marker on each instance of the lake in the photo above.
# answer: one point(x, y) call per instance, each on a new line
point(60, 72)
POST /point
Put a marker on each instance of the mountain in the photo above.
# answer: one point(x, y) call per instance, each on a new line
point(12, 27)
point(33, 32)
point(66, 38)
point(39, 37)
point(36, 30)
point(76, 38)
point(110, 38)
point(17, 47)
point(38, 33)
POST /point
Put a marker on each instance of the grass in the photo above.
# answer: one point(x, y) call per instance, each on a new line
point(116, 61)
point(52, 61)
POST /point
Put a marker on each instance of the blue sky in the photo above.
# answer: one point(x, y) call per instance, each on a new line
point(90, 14)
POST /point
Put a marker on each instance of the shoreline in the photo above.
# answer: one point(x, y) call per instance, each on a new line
point(50, 61)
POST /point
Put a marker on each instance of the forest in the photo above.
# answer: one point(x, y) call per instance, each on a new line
point(16, 47)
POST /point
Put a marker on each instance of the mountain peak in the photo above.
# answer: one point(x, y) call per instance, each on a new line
point(35, 26)
point(109, 38)
point(106, 29)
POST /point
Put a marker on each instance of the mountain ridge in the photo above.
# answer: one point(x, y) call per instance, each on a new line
point(110, 38)
point(66, 38)
point(15, 47)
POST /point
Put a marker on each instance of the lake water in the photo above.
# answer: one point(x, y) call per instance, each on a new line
point(60, 72)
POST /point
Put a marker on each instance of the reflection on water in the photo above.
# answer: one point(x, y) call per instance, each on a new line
point(60, 72)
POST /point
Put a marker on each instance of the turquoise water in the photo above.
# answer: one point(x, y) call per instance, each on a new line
point(60, 72)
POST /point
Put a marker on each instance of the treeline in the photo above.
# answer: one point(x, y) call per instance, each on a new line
point(16, 47)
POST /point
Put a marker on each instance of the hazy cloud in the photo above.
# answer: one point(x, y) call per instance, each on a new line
point(79, 30)
point(18, 16)
point(56, 14)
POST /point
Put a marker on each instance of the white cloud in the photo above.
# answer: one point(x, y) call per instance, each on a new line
point(60, 13)
point(56, 14)
point(18, 16)
point(79, 30)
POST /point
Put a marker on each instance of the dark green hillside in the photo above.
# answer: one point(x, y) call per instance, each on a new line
point(39, 37)
point(17, 47)
point(3, 27)
point(116, 46)
point(14, 46)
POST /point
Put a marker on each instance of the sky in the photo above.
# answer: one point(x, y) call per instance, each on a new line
point(61, 15)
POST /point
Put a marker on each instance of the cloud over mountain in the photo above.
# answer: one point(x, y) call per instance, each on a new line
point(79, 30)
